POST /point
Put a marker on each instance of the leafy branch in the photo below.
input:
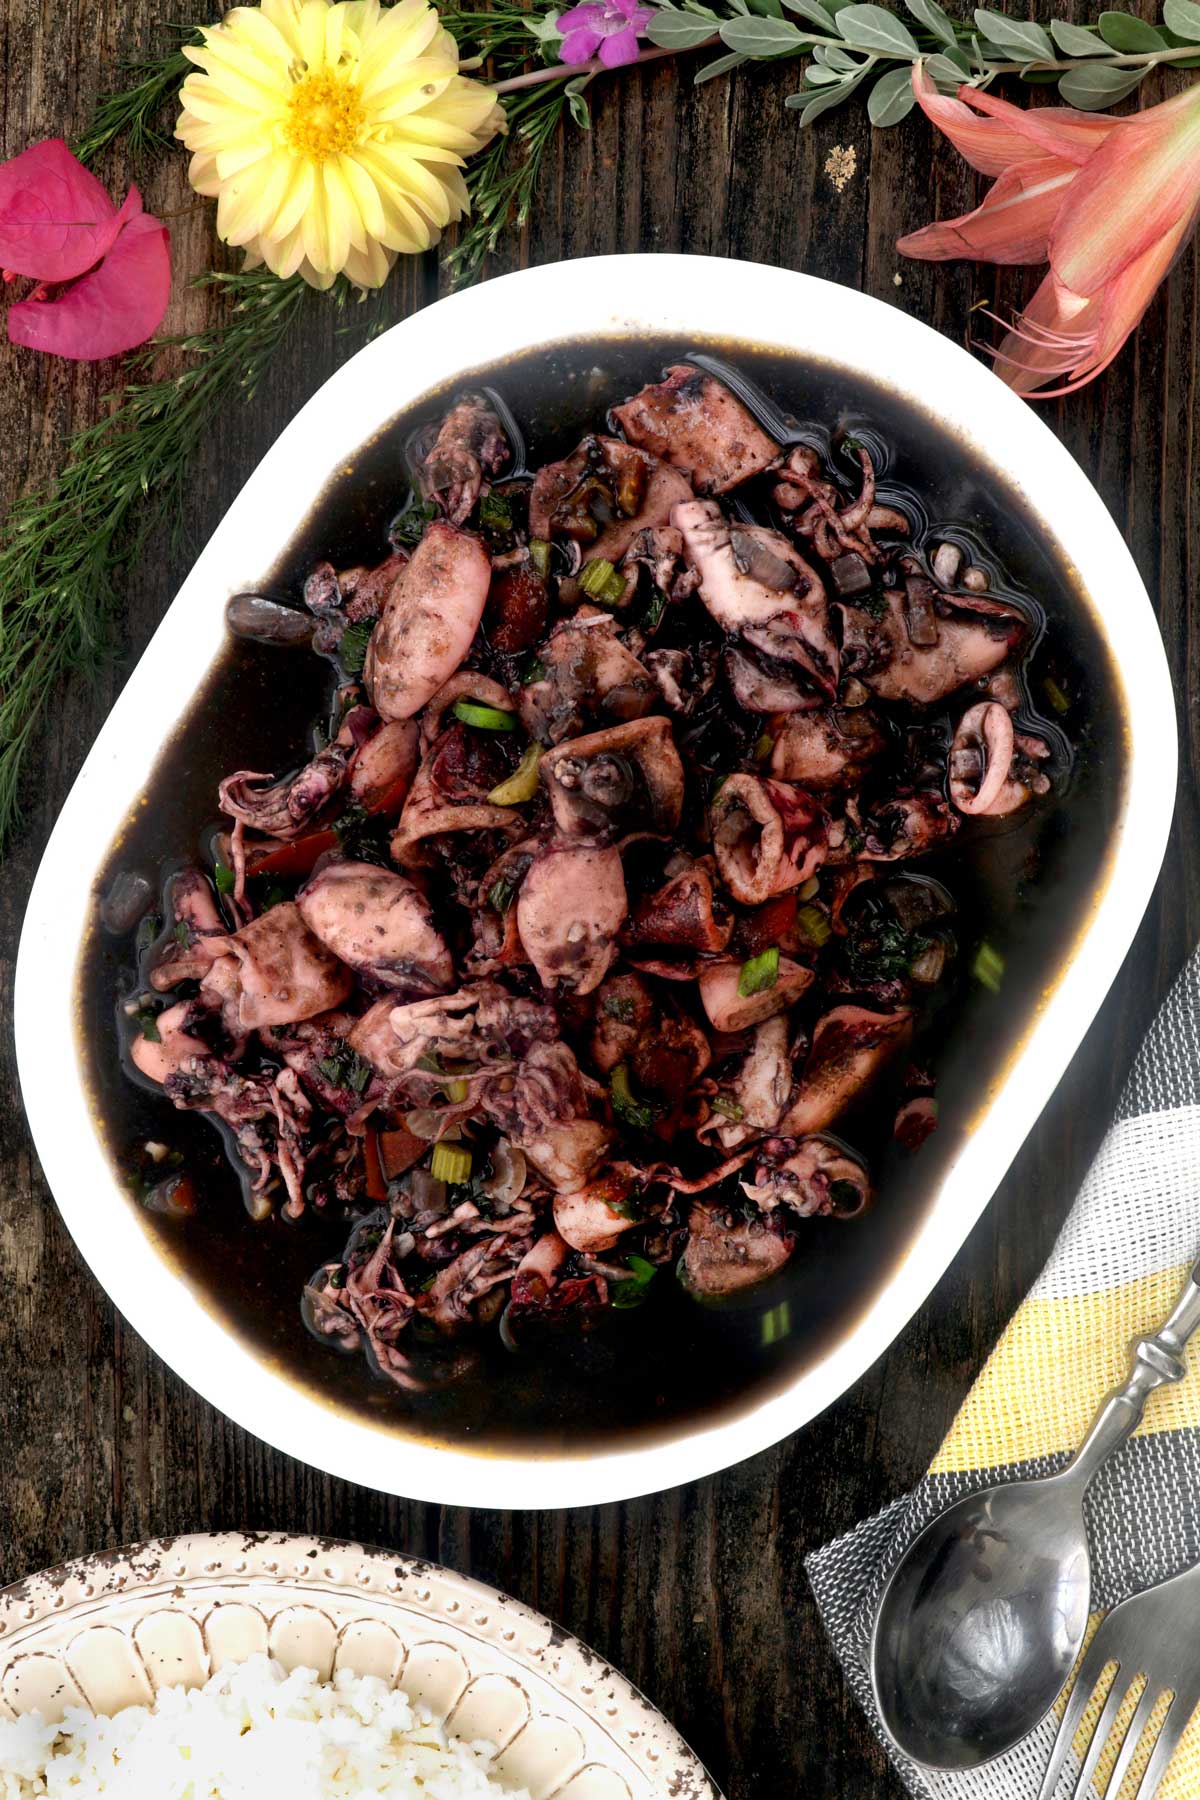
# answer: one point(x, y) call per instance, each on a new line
point(134, 112)
point(1093, 66)
point(63, 546)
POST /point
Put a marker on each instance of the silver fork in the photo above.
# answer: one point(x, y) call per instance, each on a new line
point(1152, 1634)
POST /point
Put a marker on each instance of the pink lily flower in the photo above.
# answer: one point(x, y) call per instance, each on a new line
point(102, 273)
point(1108, 203)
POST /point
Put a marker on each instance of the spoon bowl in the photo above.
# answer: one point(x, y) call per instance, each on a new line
point(982, 1618)
point(981, 1622)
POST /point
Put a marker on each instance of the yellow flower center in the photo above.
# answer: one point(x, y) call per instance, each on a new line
point(325, 116)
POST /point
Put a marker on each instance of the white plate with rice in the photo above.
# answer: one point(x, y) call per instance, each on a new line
point(242, 1666)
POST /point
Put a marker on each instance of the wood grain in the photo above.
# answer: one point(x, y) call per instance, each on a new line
point(699, 1594)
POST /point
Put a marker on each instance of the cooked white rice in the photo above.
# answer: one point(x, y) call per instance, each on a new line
point(252, 1732)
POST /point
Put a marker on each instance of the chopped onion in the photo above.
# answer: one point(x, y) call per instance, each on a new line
point(506, 1182)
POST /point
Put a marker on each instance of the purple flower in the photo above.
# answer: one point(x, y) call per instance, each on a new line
point(610, 27)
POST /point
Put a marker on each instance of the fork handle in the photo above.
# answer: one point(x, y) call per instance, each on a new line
point(1154, 1361)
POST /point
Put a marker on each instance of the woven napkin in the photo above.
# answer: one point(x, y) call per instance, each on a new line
point(1115, 1272)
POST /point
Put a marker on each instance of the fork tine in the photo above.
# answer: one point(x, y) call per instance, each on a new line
point(1141, 1718)
point(1173, 1727)
point(1090, 1671)
point(1104, 1725)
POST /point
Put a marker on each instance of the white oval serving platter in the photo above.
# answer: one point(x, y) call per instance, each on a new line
point(595, 297)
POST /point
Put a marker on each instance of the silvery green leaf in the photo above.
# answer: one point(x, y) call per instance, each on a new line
point(1073, 40)
point(948, 71)
point(837, 6)
point(1096, 86)
point(739, 6)
point(1132, 37)
point(544, 27)
point(679, 31)
point(933, 18)
point(813, 11)
point(817, 76)
point(1021, 35)
point(579, 109)
point(1183, 18)
point(769, 8)
point(833, 57)
point(761, 37)
point(811, 106)
point(891, 99)
point(720, 65)
point(873, 28)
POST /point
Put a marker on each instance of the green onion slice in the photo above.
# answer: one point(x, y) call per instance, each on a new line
point(600, 581)
point(522, 784)
point(988, 967)
point(759, 973)
point(539, 556)
point(814, 924)
point(450, 1163)
point(484, 718)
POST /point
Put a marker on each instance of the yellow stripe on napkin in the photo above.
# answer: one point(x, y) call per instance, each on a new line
point(1041, 1385)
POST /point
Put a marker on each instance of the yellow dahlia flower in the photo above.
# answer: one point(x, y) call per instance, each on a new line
point(332, 136)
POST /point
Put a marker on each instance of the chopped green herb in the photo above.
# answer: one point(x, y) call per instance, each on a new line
point(148, 929)
point(337, 1277)
point(500, 894)
point(729, 1109)
point(777, 1324)
point(656, 606)
point(759, 973)
point(495, 513)
point(618, 1006)
point(814, 924)
point(539, 556)
point(430, 1063)
point(883, 951)
point(180, 933)
point(273, 896)
point(638, 1114)
point(634, 1290)
point(764, 747)
point(408, 527)
point(988, 967)
point(600, 581)
point(631, 1206)
point(484, 718)
point(352, 648)
point(362, 838)
point(147, 1022)
point(873, 604)
point(345, 1068)
point(1055, 695)
point(224, 877)
point(535, 670)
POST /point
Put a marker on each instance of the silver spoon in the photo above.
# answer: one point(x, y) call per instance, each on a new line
point(982, 1618)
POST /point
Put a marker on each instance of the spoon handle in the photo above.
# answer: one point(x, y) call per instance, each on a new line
point(1154, 1361)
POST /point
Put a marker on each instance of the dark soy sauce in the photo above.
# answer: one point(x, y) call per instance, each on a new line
point(1025, 888)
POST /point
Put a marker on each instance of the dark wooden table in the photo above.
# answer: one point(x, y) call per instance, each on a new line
point(699, 1595)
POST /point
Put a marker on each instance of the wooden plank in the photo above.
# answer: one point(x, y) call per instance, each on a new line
point(699, 1594)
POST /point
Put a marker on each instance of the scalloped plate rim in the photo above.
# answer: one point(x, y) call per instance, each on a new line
point(32, 1607)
